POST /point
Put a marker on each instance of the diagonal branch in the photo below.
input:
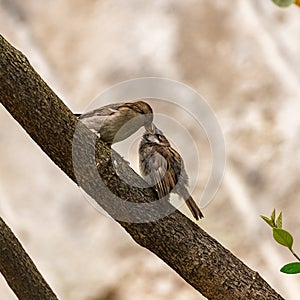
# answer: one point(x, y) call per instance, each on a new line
point(18, 269)
point(192, 253)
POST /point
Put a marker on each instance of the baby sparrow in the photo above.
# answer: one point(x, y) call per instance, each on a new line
point(162, 167)
point(116, 122)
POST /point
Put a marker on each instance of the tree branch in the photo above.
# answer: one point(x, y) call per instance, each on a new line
point(191, 252)
point(19, 270)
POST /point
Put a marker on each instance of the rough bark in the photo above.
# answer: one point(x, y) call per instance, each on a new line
point(184, 246)
point(18, 269)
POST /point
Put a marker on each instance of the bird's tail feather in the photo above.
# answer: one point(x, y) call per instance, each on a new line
point(193, 207)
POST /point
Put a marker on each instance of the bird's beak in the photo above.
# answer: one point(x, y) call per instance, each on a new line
point(150, 128)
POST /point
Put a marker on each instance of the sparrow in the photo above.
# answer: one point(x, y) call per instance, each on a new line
point(163, 168)
point(116, 122)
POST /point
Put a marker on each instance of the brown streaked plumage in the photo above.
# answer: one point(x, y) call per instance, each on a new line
point(116, 122)
point(162, 167)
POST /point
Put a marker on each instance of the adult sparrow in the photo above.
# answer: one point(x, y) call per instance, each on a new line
point(162, 167)
point(116, 122)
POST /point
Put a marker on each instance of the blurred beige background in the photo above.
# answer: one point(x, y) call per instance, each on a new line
point(241, 55)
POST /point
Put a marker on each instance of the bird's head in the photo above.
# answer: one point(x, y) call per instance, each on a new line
point(145, 109)
point(155, 136)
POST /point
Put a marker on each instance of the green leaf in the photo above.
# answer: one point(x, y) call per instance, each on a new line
point(283, 237)
point(291, 268)
point(268, 221)
point(279, 221)
point(283, 3)
point(273, 215)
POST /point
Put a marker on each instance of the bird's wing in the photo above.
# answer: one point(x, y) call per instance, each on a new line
point(158, 167)
point(102, 111)
point(162, 175)
point(111, 122)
